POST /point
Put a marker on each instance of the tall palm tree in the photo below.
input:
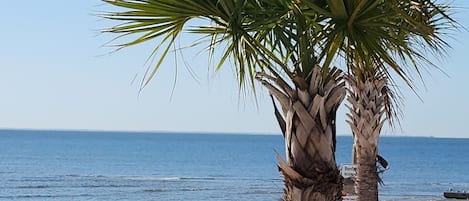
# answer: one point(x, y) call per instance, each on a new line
point(279, 43)
point(376, 37)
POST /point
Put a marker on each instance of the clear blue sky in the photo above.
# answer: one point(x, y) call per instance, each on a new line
point(55, 74)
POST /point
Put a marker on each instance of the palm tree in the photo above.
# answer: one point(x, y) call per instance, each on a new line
point(289, 45)
point(376, 37)
point(368, 99)
point(278, 42)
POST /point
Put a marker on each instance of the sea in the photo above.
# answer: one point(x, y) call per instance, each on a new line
point(143, 166)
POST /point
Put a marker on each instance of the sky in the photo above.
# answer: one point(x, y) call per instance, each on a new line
point(57, 73)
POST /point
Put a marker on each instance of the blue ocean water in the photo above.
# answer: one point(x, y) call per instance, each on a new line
point(72, 165)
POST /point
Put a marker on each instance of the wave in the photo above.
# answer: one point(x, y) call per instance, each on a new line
point(152, 178)
point(35, 186)
point(263, 192)
point(412, 197)
point(175, 190)
point(76, 186)
point(200, 178)
point(97, 178)
point(154, 190)
point(141, 178)
point(104, 177)
point(37, 179)
point(44, 196)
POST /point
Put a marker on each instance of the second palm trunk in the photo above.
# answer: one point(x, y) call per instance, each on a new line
point(367, 108)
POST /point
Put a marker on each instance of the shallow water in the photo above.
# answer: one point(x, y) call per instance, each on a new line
point(46, 165)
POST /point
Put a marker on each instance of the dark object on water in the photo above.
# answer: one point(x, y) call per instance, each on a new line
point(456, 194)
point(382, 161)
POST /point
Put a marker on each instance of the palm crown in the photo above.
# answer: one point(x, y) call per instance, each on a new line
point(290, 37)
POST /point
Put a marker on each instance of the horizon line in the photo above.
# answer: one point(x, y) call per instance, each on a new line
point(207, 132)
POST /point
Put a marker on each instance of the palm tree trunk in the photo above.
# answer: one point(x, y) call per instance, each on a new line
point(366, 120)
point(307, 121)
point(367, 177)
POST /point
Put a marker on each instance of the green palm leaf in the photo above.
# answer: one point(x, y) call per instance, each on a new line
point(290, 37)
point(376, 37)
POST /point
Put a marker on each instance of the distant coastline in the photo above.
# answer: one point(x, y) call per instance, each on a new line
point(207, 133)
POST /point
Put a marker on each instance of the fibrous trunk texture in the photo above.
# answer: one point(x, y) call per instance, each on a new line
point(307, 120)
point(367, 108)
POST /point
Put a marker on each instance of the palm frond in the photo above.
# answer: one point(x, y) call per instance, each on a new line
point(377, 37)
point(242, 27)
point(289, 38)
